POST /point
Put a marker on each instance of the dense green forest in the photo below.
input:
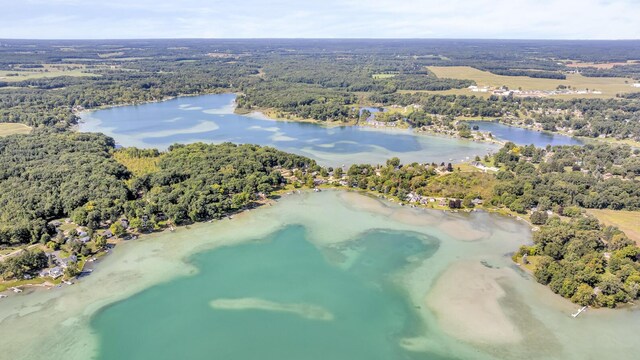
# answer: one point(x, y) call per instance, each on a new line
point(51, 175)
point(200, 182)
point(325, 80)
point(582, 260)
point(591, 176)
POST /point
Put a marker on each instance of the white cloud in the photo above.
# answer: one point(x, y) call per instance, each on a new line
point(583, 19)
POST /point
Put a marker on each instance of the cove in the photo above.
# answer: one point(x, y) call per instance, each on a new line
point(277, 298)
point(522, 136)
point(211, 118)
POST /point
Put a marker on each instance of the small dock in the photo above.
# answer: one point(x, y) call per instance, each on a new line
point(575, 315)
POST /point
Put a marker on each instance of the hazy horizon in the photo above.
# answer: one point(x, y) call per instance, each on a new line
point(319, 39)
point(331, 19)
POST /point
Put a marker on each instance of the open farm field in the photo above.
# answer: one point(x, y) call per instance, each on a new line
point(10, 129)
point(608, 86)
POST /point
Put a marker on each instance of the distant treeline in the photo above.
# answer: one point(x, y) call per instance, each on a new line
point(323, 80)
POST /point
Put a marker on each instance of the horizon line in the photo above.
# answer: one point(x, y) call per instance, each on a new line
point(316, 38)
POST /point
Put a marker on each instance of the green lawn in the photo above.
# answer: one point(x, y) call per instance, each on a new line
point(627, 221)
point(48, 71)
point(533, 262)
point(9, 284)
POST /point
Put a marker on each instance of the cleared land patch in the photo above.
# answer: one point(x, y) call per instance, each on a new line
point(607, 85)
point(11, 128)
point(383, 76)
point(47, 71)
point(137, 165)
point(627, 221)
point(609, 65)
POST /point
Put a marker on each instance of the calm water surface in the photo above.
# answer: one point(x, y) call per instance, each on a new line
point(342, 304)
point(210, 118)
point(521, 136)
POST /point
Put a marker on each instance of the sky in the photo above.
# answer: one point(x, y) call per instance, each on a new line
point(494, 19)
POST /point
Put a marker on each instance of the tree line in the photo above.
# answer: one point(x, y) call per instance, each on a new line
point(50, 175)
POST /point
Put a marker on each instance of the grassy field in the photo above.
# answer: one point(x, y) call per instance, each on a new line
point(111, 54)
point(627, 221)
point(48, 71)
point(383, 76)
point(9, 284)
point(137, 165)
point(11, 128)
point(467, 167)
point(448, 92)
point(629, 142)
point(533, 262)
point(608, 86)
point(609, 65)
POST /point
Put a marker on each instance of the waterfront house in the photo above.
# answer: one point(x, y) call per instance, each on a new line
point(455, 203)
point(56, 272)
point(66, 261)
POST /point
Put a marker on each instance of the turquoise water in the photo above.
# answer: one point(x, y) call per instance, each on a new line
point(521, 136)
point(330, 275)
point(352, 282)
point(210, 118)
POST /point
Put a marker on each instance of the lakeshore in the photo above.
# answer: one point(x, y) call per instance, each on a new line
point(64, 316)
point(211, 118)
point(385, 241)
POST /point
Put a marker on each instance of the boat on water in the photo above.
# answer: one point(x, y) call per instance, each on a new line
point(575, 315)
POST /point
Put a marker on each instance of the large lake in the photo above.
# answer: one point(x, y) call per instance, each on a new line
point(211, 118)
point(330, 275)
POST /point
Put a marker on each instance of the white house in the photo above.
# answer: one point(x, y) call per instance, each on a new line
point(56, 272)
